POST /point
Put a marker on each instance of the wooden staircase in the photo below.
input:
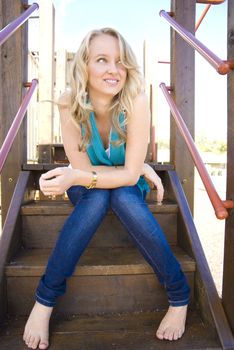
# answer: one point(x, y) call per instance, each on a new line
point(113, 299)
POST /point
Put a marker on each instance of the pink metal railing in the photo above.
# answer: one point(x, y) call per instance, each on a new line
point(16, 124)
point(222, 67)
point(204, 12)
point(219, 205)
point(7, 31)
point(211, 2)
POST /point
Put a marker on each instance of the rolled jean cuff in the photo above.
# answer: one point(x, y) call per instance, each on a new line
point(179, 302)
point(44, 302)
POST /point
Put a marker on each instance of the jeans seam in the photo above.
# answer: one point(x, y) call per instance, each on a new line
point(48, 302)
point(142, 247)
point(178, 301)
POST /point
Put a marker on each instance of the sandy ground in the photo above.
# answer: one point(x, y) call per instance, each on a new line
point(210, 229)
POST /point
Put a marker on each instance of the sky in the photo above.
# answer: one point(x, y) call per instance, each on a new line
point(137, 21)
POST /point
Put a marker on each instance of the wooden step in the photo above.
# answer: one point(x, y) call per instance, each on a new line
point(131, 331)
point(105, 280)
point(48, 166)
point(42, 220)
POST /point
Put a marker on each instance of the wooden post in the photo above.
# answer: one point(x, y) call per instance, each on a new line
point(46, 72)
point(61, 82)
point(13, 59)
point(228, 272)
point(182, 82)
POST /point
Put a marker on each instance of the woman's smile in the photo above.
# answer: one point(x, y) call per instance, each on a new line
point(112, 82)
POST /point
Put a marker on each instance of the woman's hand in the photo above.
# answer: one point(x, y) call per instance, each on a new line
point(151, 175)
point(57, 181)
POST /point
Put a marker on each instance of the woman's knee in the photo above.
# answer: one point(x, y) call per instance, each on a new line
point(96, 197)
point(99, 195)
point(125, 195)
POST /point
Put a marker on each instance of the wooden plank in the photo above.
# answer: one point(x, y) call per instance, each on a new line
point(228, 272)
point(42, 231)
point(94, 261)
point(47, 207)
point(13, 74)
point(134, 331)
point(41, 166)
point(42, 221)
point(10, 237)
point(95, 294)
point(46, 72)
point(183, 84)
point(102, 281)
point(61, 84)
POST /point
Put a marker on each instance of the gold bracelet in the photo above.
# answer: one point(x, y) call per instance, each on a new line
point(93, 182)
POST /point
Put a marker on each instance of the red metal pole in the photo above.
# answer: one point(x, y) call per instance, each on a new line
point(6, 32)
point(165, 62)
point(211, 2)
point(218, 204)
point(204, 12)
point(221, 66)
point(16, 125)
point(153, 143)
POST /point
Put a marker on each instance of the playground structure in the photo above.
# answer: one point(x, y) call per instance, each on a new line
point(31, 224)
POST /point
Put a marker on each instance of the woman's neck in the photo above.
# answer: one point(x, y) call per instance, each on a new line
point(101, 107)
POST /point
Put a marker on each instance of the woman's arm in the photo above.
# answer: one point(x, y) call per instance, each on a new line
point(71, 135)
point(58, 180)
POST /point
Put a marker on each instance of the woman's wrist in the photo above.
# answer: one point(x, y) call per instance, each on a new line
point(143, 169)
point(93, 183)
point(84, 178)
point(76, 177)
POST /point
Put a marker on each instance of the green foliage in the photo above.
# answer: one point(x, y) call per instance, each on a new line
point(214, 146)
point(203, 144)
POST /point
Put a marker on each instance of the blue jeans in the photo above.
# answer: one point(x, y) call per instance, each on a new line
point(90, 208)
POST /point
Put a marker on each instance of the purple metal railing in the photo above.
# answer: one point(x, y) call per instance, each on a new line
point(222, 67)
point(219, 205)
point(16, 124)
point(7, 31)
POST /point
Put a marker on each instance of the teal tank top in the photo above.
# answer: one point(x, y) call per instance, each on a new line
point(98, 155)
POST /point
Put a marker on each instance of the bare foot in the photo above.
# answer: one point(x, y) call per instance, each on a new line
point(172, 325)
point(36, 332)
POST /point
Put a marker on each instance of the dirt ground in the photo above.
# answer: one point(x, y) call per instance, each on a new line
point(210, 229)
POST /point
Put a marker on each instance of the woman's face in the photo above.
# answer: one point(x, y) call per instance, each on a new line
point(106, 74)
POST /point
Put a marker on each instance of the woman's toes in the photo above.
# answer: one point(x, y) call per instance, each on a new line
point(165, 335)
point(30, 344)
point(159, 334)
point(43, 344)
point(168, 334)
point(24, 336)
point(28, 340)
point(35, 343)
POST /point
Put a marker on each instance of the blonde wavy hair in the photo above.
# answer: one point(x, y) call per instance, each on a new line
point(81, 107)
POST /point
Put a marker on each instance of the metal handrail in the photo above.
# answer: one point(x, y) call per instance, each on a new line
point(222, 67)
point(204, 12)
point(7, 31)
point(16, 124)
point(219, 205)
point(211, 2)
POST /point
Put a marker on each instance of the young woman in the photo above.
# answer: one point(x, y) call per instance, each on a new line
point(105, 127)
